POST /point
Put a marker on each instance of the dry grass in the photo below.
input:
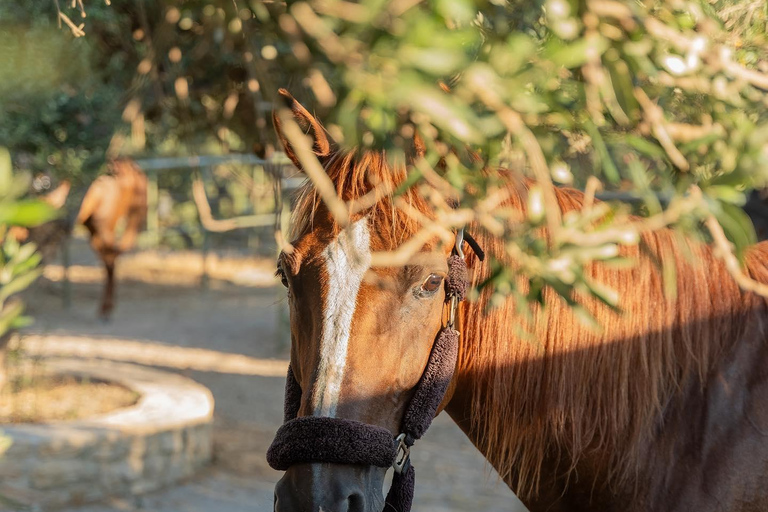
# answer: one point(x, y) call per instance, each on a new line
point(29, 398)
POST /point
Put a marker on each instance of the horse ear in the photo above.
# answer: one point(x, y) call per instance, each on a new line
point(321, 141)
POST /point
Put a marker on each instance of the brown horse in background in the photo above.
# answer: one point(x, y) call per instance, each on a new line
point(665, 408)
point(115, 202)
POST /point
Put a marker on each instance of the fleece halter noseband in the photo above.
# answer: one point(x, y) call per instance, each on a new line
point(312, 439)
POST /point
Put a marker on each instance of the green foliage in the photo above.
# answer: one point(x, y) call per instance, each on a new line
point(57, 115)
point(662, 101)
point(19, 262)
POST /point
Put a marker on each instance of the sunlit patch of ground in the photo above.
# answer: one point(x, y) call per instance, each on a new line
point(177, 268)
point(152, 354)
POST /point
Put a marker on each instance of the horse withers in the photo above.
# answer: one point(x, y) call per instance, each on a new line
point(665, 408)
point(114, 210)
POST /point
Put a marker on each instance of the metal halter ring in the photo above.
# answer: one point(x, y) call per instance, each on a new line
point(403, 456)
point(452, 312)
point(459, 242)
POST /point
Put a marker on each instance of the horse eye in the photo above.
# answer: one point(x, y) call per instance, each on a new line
point(431, 284)
point(281, 274)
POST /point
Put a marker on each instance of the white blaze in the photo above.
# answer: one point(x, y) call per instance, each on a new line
point(346, 260)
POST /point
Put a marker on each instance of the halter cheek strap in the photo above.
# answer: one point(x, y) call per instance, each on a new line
point(336, 440)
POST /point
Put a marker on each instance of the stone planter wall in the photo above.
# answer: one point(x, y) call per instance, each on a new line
point(164, 438)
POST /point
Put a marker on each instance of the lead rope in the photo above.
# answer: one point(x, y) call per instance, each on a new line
point(337, 440)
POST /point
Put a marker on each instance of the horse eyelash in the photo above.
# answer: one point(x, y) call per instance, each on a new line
point(280, 272)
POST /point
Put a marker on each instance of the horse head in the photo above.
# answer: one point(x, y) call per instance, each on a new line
point(361, 335)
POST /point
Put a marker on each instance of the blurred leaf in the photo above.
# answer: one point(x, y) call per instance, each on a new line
point(6, 171)
point(436, 61)
point(18, 284)
point(9, 315)
point(456, 10)
point(21, 321)
point(609, 168)
point(606, 295)
point(644, 146)
point(21, 256)
point(508, 58)
point(737, 226)
point(727, 194)
point(456, 119)
point(576, 53)
point(27, 213)
point(730, 179)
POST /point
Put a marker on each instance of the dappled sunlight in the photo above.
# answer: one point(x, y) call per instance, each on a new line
point(152, 354)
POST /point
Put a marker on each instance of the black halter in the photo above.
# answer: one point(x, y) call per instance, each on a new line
point(336, 440)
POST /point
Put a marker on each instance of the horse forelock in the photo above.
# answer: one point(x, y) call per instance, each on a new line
point(548, 383)
point(355, 174)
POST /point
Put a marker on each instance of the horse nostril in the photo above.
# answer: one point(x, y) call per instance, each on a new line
point(329, 488)
point(356, 503)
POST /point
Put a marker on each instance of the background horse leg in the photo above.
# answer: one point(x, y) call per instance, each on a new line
point(108, 299)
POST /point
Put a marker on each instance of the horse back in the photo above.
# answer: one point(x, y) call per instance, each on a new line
point(113, 199)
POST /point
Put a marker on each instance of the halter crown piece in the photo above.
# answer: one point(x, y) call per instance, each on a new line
point(336, 440)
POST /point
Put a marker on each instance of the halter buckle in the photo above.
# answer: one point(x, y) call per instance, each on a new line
point(452, 313)
point(403, 455)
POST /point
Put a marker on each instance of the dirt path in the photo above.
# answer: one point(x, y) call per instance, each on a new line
point(226, 338)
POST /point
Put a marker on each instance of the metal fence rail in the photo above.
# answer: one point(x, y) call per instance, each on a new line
point(274, 166)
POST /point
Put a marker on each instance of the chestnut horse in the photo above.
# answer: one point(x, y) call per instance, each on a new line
point(665, 408)
point(115, 201)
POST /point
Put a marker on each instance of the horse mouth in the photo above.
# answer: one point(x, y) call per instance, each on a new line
point(324, 487)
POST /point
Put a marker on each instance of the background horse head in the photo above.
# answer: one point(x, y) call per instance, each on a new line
point(114, 210)
point(636, 415)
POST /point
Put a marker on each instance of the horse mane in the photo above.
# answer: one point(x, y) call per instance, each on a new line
point(548, 387)
point(553, 384)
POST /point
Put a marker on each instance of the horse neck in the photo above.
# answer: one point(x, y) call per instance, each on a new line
point(570, 416)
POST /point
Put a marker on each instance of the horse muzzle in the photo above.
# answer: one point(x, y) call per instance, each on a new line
point(330, 488)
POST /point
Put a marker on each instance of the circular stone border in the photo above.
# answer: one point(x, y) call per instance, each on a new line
point(165, 437)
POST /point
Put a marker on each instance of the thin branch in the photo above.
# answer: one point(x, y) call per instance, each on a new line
point(222, 225)
point(437, 228)
point(280, 239)
point(724, 251)
point(514, 123)
point(719, 56)
point(312, 167)
point(655, 117)
point(594, 185)
point(77, 30)
point(630, 232)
